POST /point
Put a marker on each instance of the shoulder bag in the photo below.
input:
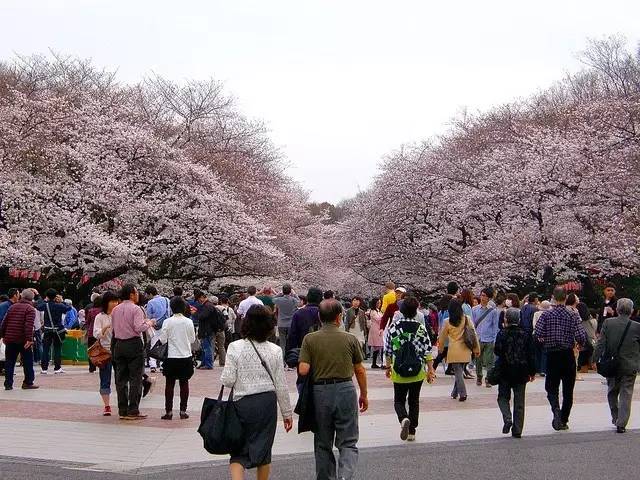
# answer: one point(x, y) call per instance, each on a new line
point(61, 332)
point(264, 364)
point(469, 336)
point(608, 364)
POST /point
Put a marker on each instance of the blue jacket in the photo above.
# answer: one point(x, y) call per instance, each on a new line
point(57, 310)
point(4, 308)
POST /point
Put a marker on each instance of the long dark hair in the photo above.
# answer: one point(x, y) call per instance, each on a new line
point(455, 312)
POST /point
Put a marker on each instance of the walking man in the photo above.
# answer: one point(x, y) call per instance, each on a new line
point(210, 322)
point(332, 356)
point(286, 305)
point(558, 330)
point(486, 319)
point(16, 332)
point(128, 323)
point(621, 333)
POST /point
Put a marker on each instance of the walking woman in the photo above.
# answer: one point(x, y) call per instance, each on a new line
point(103, 333)
point(376, 340)
point(255, 371)
point(458, 353)
point(178, 331)
point(400, 359)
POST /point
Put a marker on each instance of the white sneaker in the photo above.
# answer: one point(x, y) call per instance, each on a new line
point(44, 372)
point(404, 429)
point(60, 370)
point(411, 437)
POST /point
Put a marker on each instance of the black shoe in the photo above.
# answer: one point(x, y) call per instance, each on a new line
point(564, 426)
point(463, 399)
point(146, 388)
point(167, 416)
point(516, 435)
point(184, 415)
point(375, 366)
point(26, 386)
point(556, 423)
point(8, 388)
point(506, 428)
point(621, 430)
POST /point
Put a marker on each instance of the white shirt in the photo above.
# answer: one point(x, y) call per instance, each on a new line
point(244, 372)
point(246, 303)
point(180, 333)
point(102, 320)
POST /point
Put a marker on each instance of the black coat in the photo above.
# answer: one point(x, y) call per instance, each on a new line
point(516, 355)
point(209, 319)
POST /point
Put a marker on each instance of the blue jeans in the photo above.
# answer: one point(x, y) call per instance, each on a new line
point(207, 352)
point(105, 379)
point(37, 346)
point(12, 350)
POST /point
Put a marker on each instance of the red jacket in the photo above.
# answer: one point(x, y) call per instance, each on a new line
point(17, 326)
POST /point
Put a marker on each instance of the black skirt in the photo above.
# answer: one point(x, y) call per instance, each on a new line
point(179, 368)
point(258, 415)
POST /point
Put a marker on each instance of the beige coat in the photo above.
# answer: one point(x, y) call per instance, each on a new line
point(458, 351)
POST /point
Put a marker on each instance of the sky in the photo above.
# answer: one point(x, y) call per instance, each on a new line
point(339, 84)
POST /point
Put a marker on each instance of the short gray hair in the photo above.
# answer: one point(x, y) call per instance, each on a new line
point(625, 307)
point(512, 316)
point(27, 294)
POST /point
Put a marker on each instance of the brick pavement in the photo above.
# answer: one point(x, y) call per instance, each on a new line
point(68, 406)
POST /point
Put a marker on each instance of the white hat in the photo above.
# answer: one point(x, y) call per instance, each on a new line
point(68, 301)
point(401, 290)
point(94, 296)
point(214, 299)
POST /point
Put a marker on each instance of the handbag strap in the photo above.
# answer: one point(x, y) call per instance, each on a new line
point(262, 361)
point(624, 335)
point(46, 304)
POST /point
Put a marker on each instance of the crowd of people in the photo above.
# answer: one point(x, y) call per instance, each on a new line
point(256, 336)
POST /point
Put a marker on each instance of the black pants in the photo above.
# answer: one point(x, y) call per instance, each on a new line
point(504, 398)
point(51, 338)
point(561, 367)
point(169, 390)
point(90, 341)
point(400, 392)
point(128, 359)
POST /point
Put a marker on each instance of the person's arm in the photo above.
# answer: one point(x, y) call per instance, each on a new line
point(581, 333)
point(97, 328)
point(28, 327)
point(601, 345)
point(151, 310)
point(282, 392)
point(361, 376)
point(164, 332)
point(539, 331)
point(230, 371)
point(140, 324)
point(442, 336)
point(304, 359)
point(191, 332)
point(388, 350)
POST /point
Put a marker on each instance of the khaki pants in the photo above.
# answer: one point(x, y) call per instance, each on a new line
point(221, 352)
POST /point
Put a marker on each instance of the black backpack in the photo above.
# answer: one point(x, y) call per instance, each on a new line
point(407, 362)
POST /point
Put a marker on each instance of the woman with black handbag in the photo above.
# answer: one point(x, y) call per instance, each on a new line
point(255, 371)
point(178, 333)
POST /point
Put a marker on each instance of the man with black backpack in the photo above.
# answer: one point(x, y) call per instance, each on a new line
point(210, 321)
point(407, 349)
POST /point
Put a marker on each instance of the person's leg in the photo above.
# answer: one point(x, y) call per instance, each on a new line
point(324, 400)
point(374, 360)
point(504, 399)
point(105, 383)
point(90, 341)
point(263, 472)
point(222, 353)
point(37, 346)
point(136, 370)
point(552, 386)
point(207, 352)
point(489, 357)
point(11, 351)
point(612, 397)
point(57, 352)
point(627, 384)
point(400, 391)
point(480, 364)
point(46, 351)
point(283, 334)
point(169, 388)
point(461, 388)
point(184, 395)
point(237, 471)
point(346, 424)
point(568, 384)
point(27, 365)
point(414, 405)
point(519, 395)
point(122, 380)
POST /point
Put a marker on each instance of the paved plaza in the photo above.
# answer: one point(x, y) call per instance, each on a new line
point(62, 422)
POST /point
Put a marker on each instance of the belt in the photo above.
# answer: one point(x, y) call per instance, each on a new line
point(331, 381)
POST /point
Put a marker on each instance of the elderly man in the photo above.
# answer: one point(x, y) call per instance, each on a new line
point(623, 334)
point(334, 355)
point(17, 334)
